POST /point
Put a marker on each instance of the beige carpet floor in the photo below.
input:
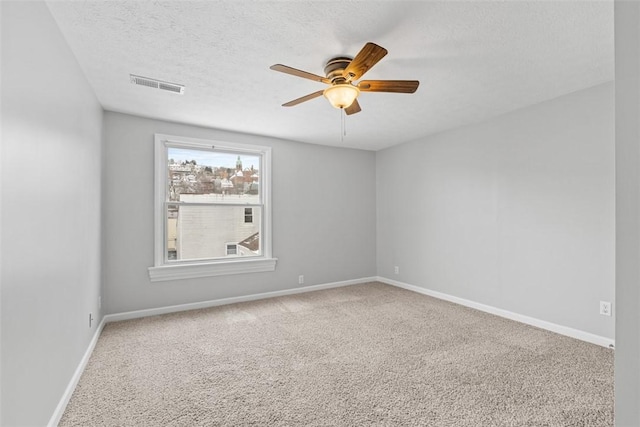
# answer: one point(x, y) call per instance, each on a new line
point(368, 354)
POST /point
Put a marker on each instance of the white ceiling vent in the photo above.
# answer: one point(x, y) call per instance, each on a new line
point(157, 84)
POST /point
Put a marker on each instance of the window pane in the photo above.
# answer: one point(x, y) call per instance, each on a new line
point(192, 171)
point(204, 232)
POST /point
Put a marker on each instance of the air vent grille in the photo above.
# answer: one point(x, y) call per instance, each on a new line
point(157, 84)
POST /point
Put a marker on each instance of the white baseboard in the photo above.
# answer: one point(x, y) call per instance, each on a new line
point(224, 301)
point(542, 324)
point(66, 396)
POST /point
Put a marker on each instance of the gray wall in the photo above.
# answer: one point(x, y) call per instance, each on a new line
point(51, 177)
point(324, 207)
point(627, 361)
point(516, 212)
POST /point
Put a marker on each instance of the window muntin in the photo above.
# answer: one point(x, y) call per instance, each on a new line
point(177, 189)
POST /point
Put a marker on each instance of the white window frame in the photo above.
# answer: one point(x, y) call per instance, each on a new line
point(162, 270)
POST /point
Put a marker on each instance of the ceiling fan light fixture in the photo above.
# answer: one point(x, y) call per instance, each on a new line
point(341, 73)
point(341, 95)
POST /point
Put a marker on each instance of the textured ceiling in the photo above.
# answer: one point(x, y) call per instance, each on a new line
point(474, 60)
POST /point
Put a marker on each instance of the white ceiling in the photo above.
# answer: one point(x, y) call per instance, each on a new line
point(474, 60)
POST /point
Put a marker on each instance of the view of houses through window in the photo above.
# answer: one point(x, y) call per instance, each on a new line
point(213, 204)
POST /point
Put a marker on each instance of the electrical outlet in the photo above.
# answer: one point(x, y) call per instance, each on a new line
point(396, 269)
point(300, 279)
point(605, 308)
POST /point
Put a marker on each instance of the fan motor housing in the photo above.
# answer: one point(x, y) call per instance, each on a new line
point(335, 68)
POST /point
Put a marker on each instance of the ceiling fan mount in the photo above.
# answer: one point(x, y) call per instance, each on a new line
point(341, 72)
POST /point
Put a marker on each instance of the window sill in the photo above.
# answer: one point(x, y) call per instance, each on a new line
point(192, 271)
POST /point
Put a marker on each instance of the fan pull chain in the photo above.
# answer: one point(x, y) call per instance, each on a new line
point(344, 118)
point(343, 125)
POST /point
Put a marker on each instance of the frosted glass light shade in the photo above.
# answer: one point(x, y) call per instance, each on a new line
point(341, 95)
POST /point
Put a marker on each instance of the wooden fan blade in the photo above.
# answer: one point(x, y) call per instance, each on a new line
point(353, 108)
point(299, 73)
point(303, 99)
point(369, 56)
point(397, 86)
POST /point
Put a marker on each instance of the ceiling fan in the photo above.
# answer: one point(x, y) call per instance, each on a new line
point(341, 72)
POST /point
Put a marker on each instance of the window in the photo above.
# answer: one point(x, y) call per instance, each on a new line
point(232, 248)
point(212, 208)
